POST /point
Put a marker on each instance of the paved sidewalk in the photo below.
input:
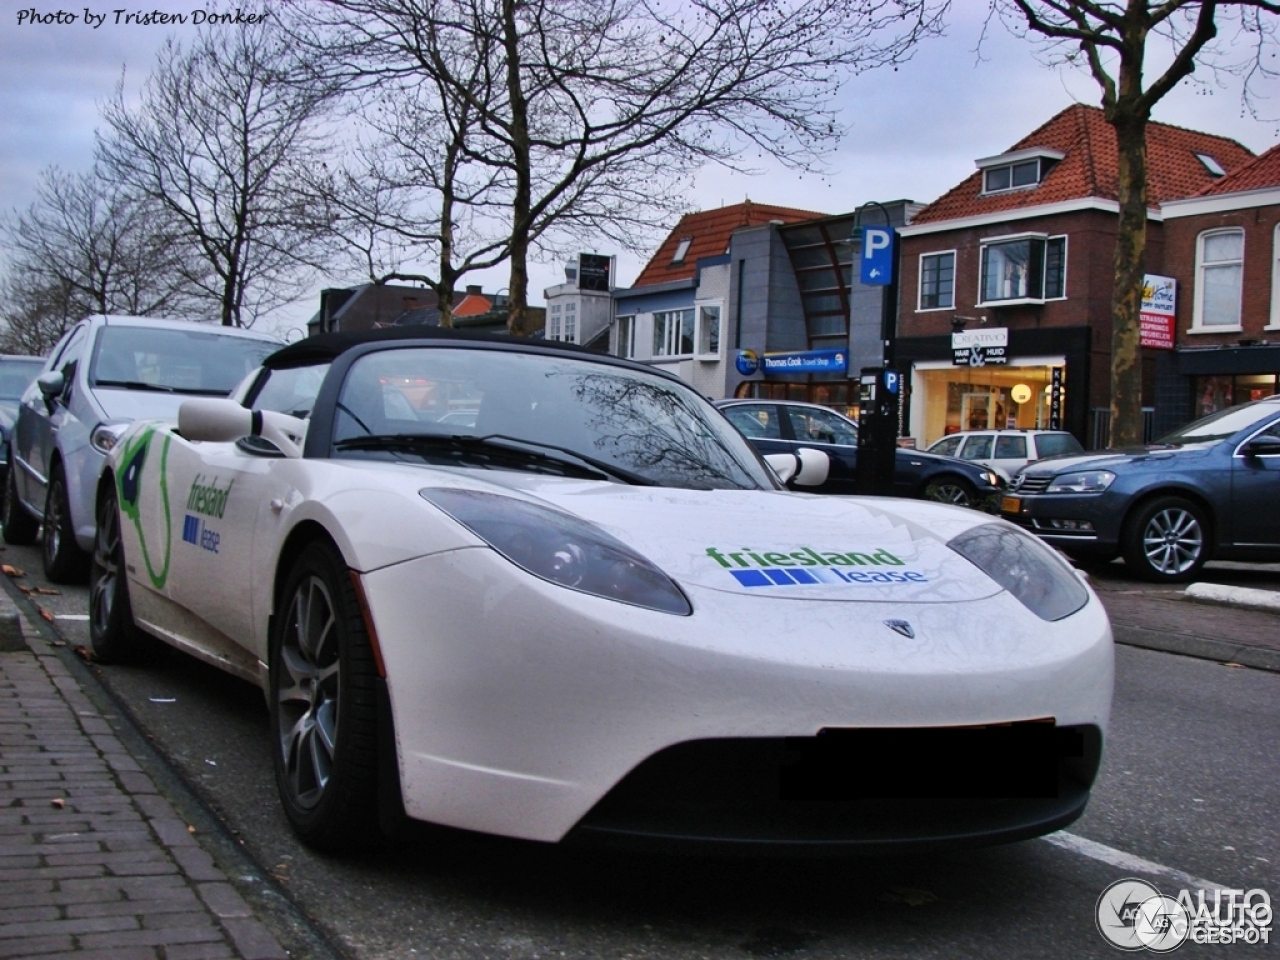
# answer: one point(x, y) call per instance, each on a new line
point(1165, 619)
point(94, 861)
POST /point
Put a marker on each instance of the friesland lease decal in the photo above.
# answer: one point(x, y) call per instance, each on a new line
point(129, 490)
point(808, 567)
point(208, 499)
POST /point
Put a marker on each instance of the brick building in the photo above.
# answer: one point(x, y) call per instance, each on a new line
point(1223, 247)
point(1005, 298)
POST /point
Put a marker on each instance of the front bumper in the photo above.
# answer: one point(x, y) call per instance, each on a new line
point(1088, 521)
point(519, 706)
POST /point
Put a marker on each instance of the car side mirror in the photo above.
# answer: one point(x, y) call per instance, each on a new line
point(221, 421)
point(804, 468)
point(1262, 447)
point(51, 384)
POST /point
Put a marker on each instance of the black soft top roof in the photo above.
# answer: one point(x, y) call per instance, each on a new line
point(327, 346)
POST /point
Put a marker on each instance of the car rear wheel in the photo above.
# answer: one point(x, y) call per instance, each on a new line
point(324, 705)
point(20, 527)
point(1167, 540)
point(113, 636)
point(64, 561)
point(953, 490)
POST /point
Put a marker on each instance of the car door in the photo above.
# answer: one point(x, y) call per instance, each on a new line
point(1255, 492)
point(1010, 454)
point(36, 435)
point(823, 430)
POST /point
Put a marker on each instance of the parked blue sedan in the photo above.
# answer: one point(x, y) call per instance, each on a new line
point(1206, 492)
point(784, 426)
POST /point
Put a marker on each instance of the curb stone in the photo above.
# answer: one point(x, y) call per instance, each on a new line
point(1245, 598)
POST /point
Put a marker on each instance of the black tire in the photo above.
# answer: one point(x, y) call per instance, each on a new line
point(20, 527)
point(64, 561)
point(1166, 540)
point(113, 636)
point(949, 489)
point(323, 703)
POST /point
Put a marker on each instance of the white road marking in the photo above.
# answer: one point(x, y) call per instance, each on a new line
point(72, 616)
point(1127, 861)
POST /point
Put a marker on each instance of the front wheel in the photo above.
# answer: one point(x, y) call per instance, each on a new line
point(20, 527)
point(1167, 540)
point(323, 704)
point(113, 636)
point(64, 561)
point(953, 490)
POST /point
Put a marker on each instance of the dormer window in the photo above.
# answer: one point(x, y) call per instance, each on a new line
point(1019, 170)
point(1213, 166)
point(682, 249)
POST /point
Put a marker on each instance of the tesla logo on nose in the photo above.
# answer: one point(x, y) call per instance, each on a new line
point(902, 627)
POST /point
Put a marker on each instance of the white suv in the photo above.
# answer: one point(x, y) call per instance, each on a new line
point(1006, 451)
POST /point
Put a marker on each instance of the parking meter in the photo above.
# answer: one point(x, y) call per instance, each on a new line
point(879, 394)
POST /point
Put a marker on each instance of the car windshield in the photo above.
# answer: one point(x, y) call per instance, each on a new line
point(1220, 425)
point(16, 376)
point(523, 411)
point(175, 361)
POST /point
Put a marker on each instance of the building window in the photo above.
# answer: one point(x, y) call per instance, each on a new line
point(709, 331)
point(553, 322)
point(1275, 281)
point(1015, 176)
point(571, 321)
point(937, 281)
point(626, 346)
point(1219, 270)
point(1213, 166)
point(682, 249)
point(1029, 269)
point(673, 334)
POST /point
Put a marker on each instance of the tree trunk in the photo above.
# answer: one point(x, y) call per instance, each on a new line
point(521, 202)
point(1130, 273)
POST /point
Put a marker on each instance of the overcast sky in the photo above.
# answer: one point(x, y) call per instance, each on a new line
point(913, 133)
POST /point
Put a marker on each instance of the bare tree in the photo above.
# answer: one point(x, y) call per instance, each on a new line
point(220, 137)
point(34, 312)
point(103, 247)
point(593, 113)
point(1116, 42)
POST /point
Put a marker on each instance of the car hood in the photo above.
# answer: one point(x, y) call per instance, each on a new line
point(121, 404)
point(1110, 459)
point(779, 544)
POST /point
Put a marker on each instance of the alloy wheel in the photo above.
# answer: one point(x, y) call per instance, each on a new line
point(308, 692)
point(1173, 541)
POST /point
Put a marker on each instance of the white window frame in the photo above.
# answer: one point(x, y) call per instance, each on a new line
point(571, 321)
point(955, 260)
point(682, 250)
point(553, 322)
point(1197, 316)
point(701, 333)
point(1275, 280)
point(626, 347)
point(667, 335)
point(988, 242)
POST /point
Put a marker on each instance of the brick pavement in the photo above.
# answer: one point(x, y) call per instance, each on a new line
point(94, 861)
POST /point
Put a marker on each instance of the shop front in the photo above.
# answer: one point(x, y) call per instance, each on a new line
point(996, 379)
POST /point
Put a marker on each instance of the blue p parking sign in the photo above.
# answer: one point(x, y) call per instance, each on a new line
point(878, 249)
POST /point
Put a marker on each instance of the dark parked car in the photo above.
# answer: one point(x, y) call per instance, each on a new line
point(780, 426)
point(1210, 491)
point(16, 374)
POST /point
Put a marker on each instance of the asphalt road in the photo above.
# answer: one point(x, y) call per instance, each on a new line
point(1188, 782)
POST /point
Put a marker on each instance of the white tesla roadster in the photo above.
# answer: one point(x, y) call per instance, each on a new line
point(519, 588)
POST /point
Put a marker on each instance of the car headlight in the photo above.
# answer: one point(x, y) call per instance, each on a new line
point(1024, 566)
point(992, 479)
point(106, 435)
point(1085, 481)
point(561, 549)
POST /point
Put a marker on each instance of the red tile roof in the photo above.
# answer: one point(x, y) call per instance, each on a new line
point(1258, 174)
point(708, 233)
point(1089, 168)
point(472, 305)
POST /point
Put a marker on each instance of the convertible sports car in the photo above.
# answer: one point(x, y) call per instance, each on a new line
point(523, 589)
